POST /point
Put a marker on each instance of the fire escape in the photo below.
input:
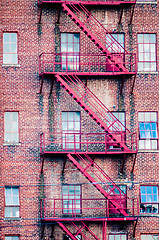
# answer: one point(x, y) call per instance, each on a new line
point(114, 138)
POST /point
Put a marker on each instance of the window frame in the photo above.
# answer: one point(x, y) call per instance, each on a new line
point(72, 54)
point(69, 211)
point(17, 48)
point(151, 139)
point(150, 53)
point(152, 203)
point(12, 205)
point(11, 132)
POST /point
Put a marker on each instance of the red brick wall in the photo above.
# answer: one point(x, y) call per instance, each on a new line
point(19, 91)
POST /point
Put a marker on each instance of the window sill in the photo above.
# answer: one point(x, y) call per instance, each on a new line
point(11, 144)
point(10, 65)
point(147, 72)
point(144, 2)
point(12, 218)
point(146, 150)
point(149, 214)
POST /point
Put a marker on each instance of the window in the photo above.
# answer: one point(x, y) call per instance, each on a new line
point(149, 199)
point(65, 237)
point(149, 236)
point(70, 51)
point(12, 202)
point(11, 131)
point(10, 55)
point(115, 42)
point(147, 130)
point(11, 237)
point(116, 191)
point(117, 237)
point(71, 195)
point(119, 197)
point(118, 127)
point(71, 130)
point(121, 117)
point(147, 52)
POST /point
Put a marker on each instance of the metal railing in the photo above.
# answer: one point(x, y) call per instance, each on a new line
point(85, 63)
point(104, 1)
point(85, 142)
point(86, 208)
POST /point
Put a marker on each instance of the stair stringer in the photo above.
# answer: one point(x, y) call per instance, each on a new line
point(65, 229)
point(96, 185)
point(111, 58)
point(78, 230)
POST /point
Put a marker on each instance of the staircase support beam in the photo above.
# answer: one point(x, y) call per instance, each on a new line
point(104, 230)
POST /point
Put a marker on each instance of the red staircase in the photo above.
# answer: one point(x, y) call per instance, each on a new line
point(78, 231)
point(97, 33)
point(96, 109)
point(111, 187)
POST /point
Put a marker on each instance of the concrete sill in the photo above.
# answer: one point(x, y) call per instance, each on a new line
point(143, 2)
point(12, 219)
point(10, 65)
point(153, 151)
point(11, 144)
point(149, 215)
point(147, 72)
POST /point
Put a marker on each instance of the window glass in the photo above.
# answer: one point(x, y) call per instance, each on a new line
point(70, 51)
point(115, 42)
point(11, 128)
point(11, 237)
point(148, 133)
point(117, 237)
point(10, 55)
point(68, 238)
point(71, 126)
point(149, 237)
point(121, 117)
point(147, 52)
point(71, 195)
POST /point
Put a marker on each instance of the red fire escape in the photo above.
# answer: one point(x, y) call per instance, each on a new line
point(114, 137)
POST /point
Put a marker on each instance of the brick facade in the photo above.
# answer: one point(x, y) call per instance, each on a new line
point(38, 113)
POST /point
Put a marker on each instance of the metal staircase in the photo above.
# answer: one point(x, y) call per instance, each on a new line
point(78, 231)
point(97, 33)
point(110, 187)
point(96, 109)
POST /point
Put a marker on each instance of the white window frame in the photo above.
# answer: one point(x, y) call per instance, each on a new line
point(12, 202)
point(10, 48)
point(11, 127)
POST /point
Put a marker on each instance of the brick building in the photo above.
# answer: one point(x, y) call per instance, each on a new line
point(79, 110)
